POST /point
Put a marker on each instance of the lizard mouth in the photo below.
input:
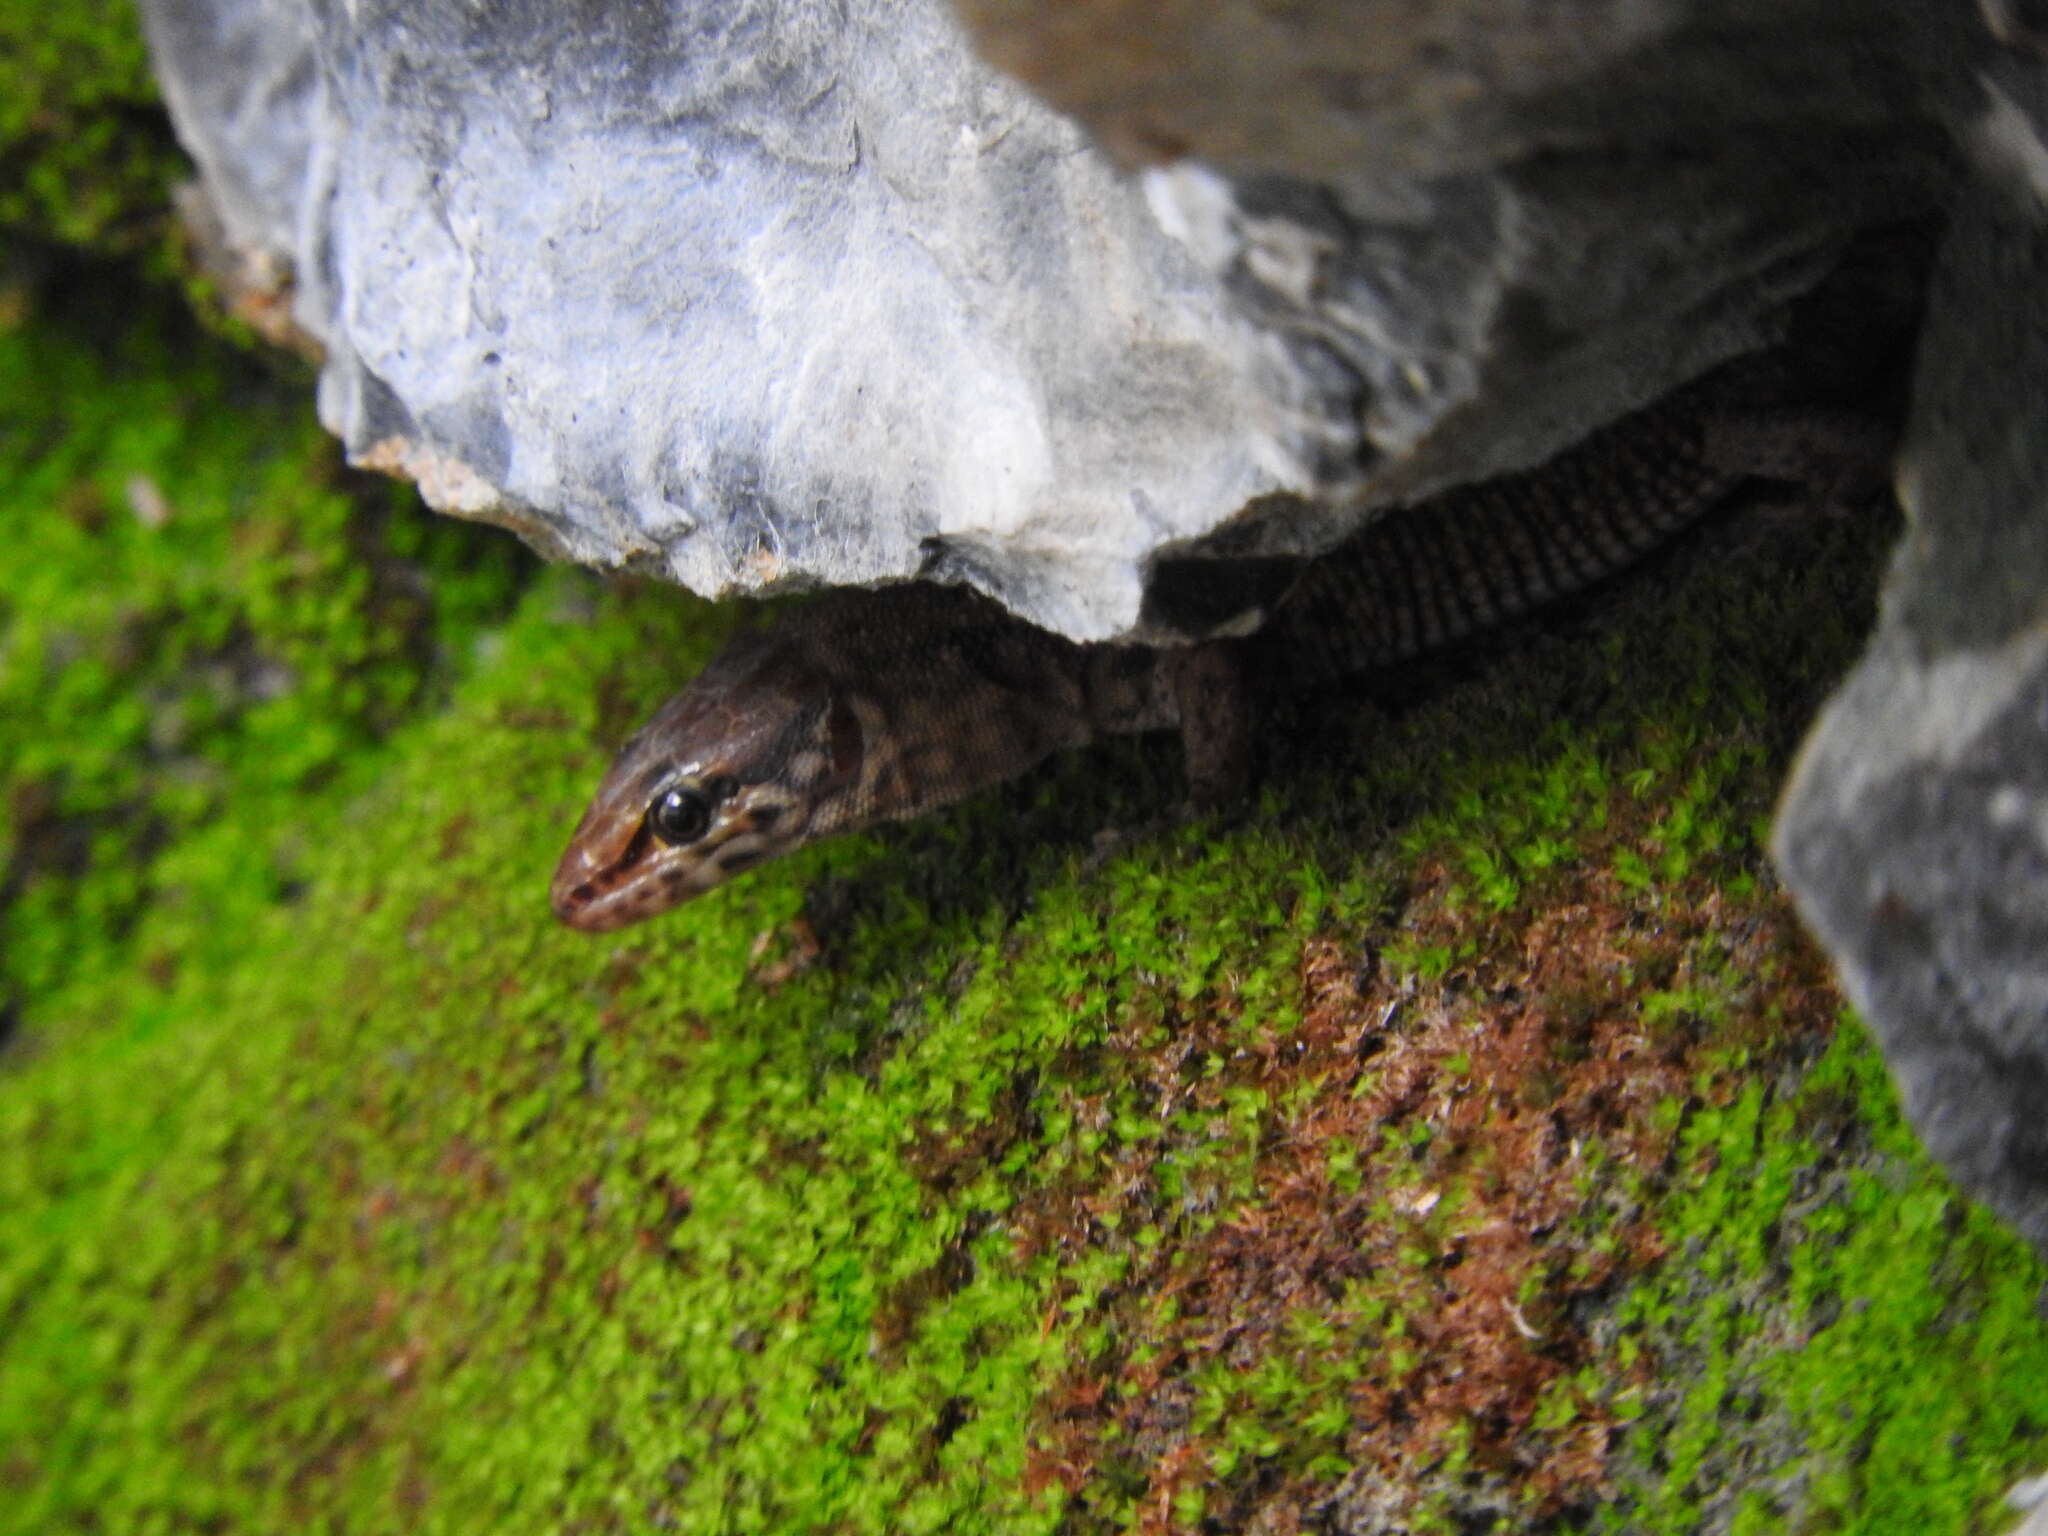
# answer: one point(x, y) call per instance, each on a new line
point(598, 906)
point(597, 890)
point(588, 906)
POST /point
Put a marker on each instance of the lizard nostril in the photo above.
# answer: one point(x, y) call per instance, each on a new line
point(570, 902)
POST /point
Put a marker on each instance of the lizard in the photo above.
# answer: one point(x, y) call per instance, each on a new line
point(867, 706)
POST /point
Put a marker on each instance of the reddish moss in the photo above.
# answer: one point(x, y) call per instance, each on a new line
point(1446, 1186)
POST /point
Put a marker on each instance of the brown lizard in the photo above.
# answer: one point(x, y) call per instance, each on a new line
point(873, 706)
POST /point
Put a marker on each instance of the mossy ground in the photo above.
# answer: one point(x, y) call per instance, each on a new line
point(1464, 1137)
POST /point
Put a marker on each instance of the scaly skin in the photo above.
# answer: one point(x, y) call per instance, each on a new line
point(866, 707)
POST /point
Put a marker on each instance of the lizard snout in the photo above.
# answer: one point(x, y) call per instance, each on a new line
point(592, 890)
point(574, 890)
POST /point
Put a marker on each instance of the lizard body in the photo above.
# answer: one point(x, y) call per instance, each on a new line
point(872, 706)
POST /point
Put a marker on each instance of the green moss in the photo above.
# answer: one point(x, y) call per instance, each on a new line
point(86, 153)
point(203, 620)
point(424, 1215)
point(1863, 1345)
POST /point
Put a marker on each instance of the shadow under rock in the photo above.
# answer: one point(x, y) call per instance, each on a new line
point(1761, 598)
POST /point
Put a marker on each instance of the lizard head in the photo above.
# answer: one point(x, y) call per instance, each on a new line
point(747, 763)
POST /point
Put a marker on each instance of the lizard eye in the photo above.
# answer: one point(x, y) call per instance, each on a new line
point(680, 816)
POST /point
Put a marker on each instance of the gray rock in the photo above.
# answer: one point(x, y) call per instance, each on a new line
point(798, 291)
point(243, 85)
point(743, 295)
point(1915, 832)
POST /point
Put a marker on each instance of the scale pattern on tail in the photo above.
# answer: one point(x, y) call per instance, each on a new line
point(1425, 576)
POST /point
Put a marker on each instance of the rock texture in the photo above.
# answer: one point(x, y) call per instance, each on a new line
point(740, 294)
point(800, 291)
point(1916, 829)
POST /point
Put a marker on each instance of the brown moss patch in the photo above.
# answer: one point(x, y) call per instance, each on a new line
point(1373, 1249)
